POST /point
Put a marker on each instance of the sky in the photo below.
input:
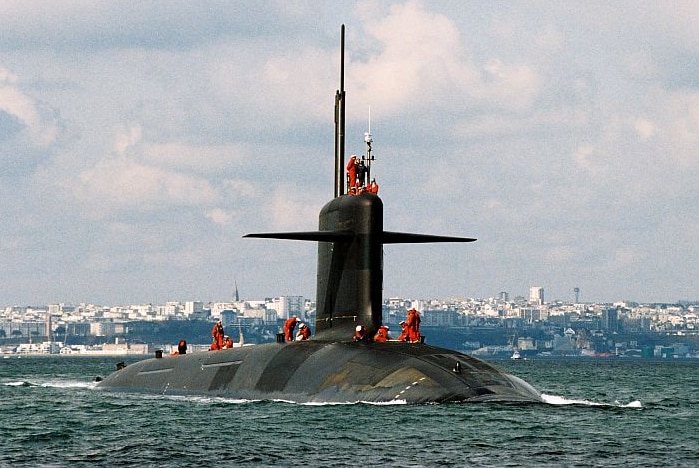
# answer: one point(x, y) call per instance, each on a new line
point(140, 140)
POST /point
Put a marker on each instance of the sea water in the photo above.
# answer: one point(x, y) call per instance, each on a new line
point(598, 412)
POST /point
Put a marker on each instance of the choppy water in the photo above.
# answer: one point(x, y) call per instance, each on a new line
point(599, 413)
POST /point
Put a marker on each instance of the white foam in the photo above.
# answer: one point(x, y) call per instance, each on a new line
point(633, 404)
point(68, 384)
point(19, 383)
point(559, 400)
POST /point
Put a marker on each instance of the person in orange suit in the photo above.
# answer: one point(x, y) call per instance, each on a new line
point(352, 172)
point(359, 333)
point(304, 333)
point(289, 326)
point(382, 334)
point(373, 187)
point(404, 334)
point(227, 342)
point(218, 334)
point(413, 326)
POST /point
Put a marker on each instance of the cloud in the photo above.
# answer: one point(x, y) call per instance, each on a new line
point(122, 184)
point(421, 64)
point(220, 216)
point(563, 138)
point(40, 128)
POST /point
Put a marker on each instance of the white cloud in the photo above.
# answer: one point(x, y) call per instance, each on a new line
point(216, 118)
point(220, 216)
point(122, 184)
point(42, 131)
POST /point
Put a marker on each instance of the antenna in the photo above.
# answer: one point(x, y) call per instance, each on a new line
point(369, 120)
point(368, 139)
point(340, 123)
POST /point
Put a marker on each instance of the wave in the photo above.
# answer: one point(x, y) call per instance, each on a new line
point(559, 400)
point(214, 400)
point(239, 401)
point(20, 383)
point(69, 384)
point(346, 403)
point(52, 384)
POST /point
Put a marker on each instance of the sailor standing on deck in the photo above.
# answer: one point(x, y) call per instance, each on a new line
point(404, 335)
point(352, 172)
point(361, 174)
point(413, 326)
point(218, 334)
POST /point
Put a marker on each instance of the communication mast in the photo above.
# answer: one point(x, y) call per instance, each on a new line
point(368, 158)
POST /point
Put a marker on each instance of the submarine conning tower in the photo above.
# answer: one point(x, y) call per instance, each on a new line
point(350, 240)
point(350, 269)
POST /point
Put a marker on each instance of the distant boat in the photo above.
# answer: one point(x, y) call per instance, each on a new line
point(516, 355)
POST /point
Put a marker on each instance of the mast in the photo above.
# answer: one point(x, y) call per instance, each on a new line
point(340, 123)
point(369, 157)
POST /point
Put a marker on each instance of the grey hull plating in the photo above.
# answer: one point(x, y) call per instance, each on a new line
point(326, 372)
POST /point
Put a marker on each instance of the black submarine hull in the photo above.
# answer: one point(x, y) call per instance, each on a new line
point(327, 368)
point(318, 371)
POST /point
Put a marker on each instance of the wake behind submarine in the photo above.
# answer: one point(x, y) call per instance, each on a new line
point(331, 367)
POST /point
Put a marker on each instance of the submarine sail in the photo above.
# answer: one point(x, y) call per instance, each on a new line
point(331, 367)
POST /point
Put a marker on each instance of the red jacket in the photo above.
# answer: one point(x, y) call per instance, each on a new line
point(352, 171)
point(382, 335)
point(304, 333)
point(289, 326)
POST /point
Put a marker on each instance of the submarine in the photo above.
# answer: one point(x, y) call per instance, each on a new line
point(331, 367)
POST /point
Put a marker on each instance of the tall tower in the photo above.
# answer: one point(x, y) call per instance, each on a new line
point(48, 326)
point(576, 290)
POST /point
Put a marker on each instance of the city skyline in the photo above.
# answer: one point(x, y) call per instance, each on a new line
point(138, 145)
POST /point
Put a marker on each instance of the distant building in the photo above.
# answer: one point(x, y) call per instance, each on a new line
point(536, 295)
point(193, 307)
point(286, 306)
point(610, 320)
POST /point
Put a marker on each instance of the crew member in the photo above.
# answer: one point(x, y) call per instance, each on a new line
point(359, 333)
point(382, 334)
point(413, 326)
point(218, 334)
point(352, 172)
point(361, 174)
point(304, 333)
point(181, 348)
point(289, 326)
point(404, 334)
point(227, 342)
point(373, 187)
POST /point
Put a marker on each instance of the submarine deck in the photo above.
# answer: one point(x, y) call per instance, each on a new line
point(326, 371)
